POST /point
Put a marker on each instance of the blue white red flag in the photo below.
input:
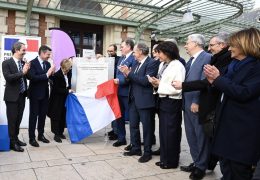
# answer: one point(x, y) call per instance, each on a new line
point(92, 110)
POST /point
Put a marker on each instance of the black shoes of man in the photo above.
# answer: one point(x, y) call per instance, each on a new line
point(196, 173)
point(16, 146)
point(41, 138)
point(58, 138)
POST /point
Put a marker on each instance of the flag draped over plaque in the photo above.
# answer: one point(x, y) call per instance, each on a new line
point(92, 110)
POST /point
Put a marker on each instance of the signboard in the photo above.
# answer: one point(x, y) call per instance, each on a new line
point(89, 53)
point(88, 73)
point(32, 45)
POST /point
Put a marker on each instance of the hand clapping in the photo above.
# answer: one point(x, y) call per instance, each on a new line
point(211, 72)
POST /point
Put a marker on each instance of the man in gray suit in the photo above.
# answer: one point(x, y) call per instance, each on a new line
point(195, 135)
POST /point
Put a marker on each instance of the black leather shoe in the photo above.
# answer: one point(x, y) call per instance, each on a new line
point(16, 147)
point(43, 139)
point(157, 152)
point(113, 138)
point(111, 133)
point(128, 147)
point(133, 153)
point(188, 168)
point(159, 163)
point(34, 143)
point(197, 174)
point(144, 158)
point(21, 143)
point(119, 143)
point(57, 139)
point(62, 136)
point(163, 166)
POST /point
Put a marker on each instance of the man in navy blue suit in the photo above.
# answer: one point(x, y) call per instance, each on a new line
point(197, 140)
point(127, 60)
point(141, 101)
point(38, 75)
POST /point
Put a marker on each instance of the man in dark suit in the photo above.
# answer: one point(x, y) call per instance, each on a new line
point(38, 75)
point(112, 52)
point(197, 140)
point(141, 101)
point(14, 71)
point(127, 60)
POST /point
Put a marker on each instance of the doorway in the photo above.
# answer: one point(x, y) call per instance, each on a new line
point(84, 36)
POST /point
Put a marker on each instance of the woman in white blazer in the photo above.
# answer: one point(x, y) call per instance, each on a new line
point(170, 104)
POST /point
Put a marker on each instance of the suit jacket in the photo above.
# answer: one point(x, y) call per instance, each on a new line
point(238, 129)
point(195, 73)
point(123, 87)
point(59, 93)
point(140, 88)
point(13, 80)
point(117, 58)
point(208, 96)
point(39, 87)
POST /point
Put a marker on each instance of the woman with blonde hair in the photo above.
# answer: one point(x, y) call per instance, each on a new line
point(237, 137)
point(61, 87)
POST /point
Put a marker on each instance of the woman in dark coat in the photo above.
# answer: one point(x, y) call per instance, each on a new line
point(61, 87)
point(237, 138)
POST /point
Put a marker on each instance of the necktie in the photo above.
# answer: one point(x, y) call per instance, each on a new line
point(188, 65)
point(43, 66)
point(22, 87)
point(137, 68)
point(159, 75)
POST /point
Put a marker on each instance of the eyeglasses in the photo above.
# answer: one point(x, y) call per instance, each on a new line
point(211, 45)
point(109, 51)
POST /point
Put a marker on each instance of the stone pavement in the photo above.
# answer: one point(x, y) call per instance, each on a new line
point(95, 158)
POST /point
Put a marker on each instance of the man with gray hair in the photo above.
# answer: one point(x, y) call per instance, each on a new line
point(218, 43)
point(197, 140)
point(141, 101)
point(208, 98)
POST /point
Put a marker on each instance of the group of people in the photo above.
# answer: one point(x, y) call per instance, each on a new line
point(40, 73)
point(218, 91)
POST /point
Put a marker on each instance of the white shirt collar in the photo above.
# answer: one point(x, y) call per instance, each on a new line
point(16, 60)
point(143, 60)
point(128, 54)
point(40, 60)
point(195, 56)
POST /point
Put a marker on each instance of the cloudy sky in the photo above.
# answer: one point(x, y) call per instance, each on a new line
point(257, 3)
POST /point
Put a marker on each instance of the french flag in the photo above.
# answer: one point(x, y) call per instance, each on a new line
point(92, 110)
point(32, 45)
